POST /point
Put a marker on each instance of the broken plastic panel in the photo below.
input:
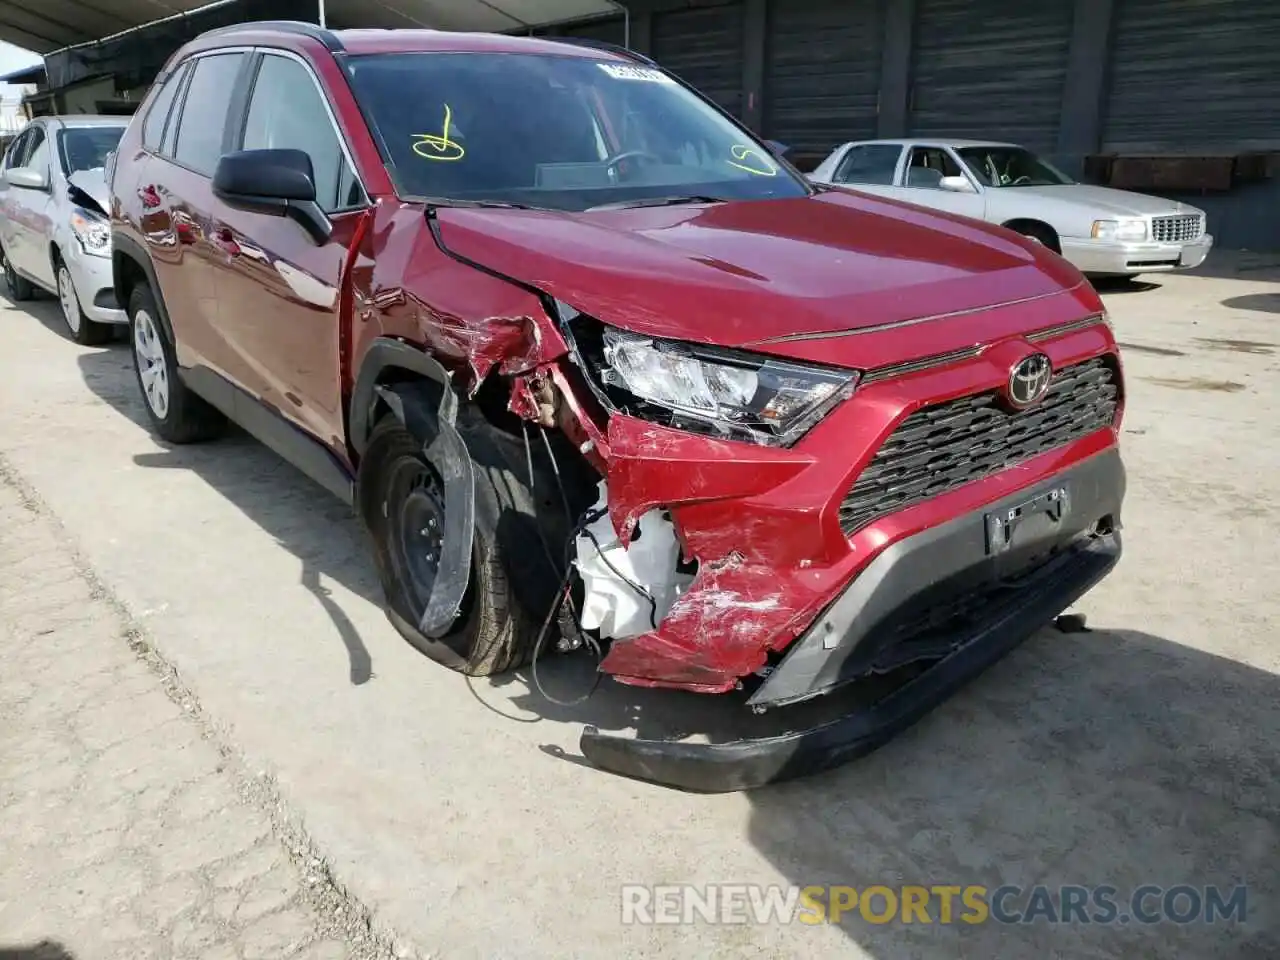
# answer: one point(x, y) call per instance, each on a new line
point(628, 589)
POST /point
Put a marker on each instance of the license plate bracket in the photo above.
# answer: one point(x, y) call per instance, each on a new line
point(1002, 525)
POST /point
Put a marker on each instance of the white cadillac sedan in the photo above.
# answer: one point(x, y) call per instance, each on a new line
point(1102, 231)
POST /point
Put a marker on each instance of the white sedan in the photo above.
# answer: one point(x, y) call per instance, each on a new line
point(1102, 231)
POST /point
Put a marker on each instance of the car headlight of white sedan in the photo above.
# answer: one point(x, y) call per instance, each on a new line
point(1125, 229)
point(93, 232)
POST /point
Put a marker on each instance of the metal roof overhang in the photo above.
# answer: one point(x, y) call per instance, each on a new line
point(45, 26)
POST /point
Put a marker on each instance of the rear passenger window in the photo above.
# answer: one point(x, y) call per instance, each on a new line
point(869, 163)
point(204, 111)
point(153, 126)
point(287, 112)
point(928, 165)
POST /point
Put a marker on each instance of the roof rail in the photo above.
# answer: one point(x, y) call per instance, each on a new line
point(604, 45)
point(298, 27)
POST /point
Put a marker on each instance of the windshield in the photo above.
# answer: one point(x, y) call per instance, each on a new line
point(568, 133)
point(1011, 167)
point(83, 148)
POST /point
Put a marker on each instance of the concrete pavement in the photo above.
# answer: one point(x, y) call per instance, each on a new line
point(1143, 752)
point(128, 830)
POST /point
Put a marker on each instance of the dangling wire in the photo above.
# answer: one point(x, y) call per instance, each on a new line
point(565, 588)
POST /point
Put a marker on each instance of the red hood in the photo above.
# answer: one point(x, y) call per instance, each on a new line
point(736, 273)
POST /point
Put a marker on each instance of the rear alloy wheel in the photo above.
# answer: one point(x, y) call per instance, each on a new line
point(17, 288)
point(83, 330)
point(152, 370)
point(176, 414)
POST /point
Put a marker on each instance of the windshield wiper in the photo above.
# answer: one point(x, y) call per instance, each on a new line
point(477, 204)
point(656, 202)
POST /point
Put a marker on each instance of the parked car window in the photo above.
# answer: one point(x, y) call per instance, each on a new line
point(36, 157)
point(1011, 167)
point(928, 165)
point(204, 112)
point(555, 131)
point(869, 163)
point(287, 111)
point(170, 136)
point(84, 148)
point(158, 113)
point(13, 158)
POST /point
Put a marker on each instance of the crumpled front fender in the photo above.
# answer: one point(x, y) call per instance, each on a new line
point(444, 449)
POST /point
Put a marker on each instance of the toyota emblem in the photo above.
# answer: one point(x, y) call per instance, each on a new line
point(1029, 381)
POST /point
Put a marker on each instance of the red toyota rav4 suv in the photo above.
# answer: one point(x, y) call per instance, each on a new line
point(593, 363)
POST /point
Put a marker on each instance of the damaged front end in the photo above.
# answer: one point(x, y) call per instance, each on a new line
point(714, 565)
point(797, 531)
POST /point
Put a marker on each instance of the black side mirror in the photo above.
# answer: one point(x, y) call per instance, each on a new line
point(275, 182)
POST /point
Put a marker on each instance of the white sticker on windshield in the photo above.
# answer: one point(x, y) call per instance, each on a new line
point(623, 72)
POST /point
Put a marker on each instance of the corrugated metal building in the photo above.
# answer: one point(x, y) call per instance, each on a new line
point(1175, 97)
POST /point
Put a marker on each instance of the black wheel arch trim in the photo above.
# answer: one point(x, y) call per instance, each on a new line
point(1018, 225)
point(730, 766)
point(123, 246)
point(428, 408)
point(387, 354)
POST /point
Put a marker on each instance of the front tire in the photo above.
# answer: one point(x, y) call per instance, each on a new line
point(83, 331)
point(1040, 234)
point(177, 414)
point(512, 585)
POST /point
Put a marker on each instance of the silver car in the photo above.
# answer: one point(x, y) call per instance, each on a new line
point(54, 228)
point(1102, 231)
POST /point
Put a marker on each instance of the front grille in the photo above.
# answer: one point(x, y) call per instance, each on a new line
point(1178, 229)
point(942, 447)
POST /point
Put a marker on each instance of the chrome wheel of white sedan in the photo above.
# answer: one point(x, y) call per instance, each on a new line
point(152, 369)
point(70, 302)
point(83, 331)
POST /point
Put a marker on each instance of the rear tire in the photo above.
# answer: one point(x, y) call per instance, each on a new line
point(83, 331)
point(177, 414)
point(512, 585)
point(18, 288)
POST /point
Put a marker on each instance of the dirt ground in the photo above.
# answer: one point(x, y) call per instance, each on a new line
point(398, 808)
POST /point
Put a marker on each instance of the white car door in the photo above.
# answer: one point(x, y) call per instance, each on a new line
point(921, 182)
point(10, 238)
point(33, 210)
point(868, 168)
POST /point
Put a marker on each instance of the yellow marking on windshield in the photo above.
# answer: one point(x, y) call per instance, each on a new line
point(432, 146)
point(752, 161)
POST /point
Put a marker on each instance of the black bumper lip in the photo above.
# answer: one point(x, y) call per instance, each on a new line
point(747, 764)
point(724, 767)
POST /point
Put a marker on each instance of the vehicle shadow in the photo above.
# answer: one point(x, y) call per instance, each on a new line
point(1107, 758)
point(45, 309)
point(1260, 302)
point(1108, 286)
point(306, 520)
point(1240, 265)
point(45, 950)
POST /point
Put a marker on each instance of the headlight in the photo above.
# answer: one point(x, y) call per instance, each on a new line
point(738, 396)
point(1128, 228)
point(92, 231)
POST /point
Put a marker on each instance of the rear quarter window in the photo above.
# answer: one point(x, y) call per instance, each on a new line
point(161, 106)
point(204, 111)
